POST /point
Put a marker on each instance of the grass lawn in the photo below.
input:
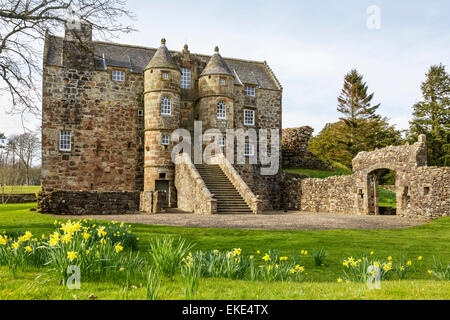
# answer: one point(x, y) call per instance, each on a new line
point(22, 189)
point(338, 170)
point(387, 198)
point(429, 241)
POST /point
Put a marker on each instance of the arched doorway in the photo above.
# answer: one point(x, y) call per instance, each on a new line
point(382, 198)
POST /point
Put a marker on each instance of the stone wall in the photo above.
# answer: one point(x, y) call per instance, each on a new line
point(421, 191)
point(88, 203)
point(193, 195)
point(295, 150)
point(18, 198)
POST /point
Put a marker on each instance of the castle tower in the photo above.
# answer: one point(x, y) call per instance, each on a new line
point(161, 117)
point(216, 102)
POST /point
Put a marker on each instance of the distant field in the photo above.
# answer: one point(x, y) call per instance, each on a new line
point(22, 189)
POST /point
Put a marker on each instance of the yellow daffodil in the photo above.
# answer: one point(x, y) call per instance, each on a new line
point(389, 258)
point(71, 255)
point(15, 245)
point(28, 249)
point(409, 263)
point(266, 258)
point(420, 258)
point(339, 280)
point(118, 248)
point(430, 272)
point(284, 258)
point(86, 236)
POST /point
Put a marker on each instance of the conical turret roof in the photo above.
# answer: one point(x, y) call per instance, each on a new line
point(217, 65)
point(163, 58)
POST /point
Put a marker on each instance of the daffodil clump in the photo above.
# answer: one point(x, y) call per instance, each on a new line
point(190, 273)
point(369, 267)
point(276, 268)
point(96, 249)
point(21, 251)
point(90, 247)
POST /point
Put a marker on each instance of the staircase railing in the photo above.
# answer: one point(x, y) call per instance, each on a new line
point(193, 195)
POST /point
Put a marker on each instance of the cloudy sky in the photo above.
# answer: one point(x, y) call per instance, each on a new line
point(310, 45)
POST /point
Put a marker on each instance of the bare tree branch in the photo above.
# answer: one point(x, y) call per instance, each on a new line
point(23, 26)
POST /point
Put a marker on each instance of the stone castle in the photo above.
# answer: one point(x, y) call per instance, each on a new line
point(108, 112)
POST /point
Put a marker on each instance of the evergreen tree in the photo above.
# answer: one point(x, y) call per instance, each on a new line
point(432, 116)
point(359, 129)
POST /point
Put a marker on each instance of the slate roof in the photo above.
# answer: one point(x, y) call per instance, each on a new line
point(217, 65)
point(162, 58)
point(137, 58)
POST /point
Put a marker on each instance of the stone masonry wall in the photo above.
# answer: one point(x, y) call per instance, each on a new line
point(88, 203)
point(421, 191)
point(18, 198)
point(102, 116)
point(193, 195)
point(296, 153)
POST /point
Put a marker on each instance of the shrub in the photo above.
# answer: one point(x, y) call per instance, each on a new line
point(167, 254)
point(441, 270)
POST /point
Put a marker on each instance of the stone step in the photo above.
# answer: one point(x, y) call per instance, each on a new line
point(229, 201)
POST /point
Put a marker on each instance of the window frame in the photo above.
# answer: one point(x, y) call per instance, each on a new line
point(186, 78)
point(222, 115)
point(115, 73)
point(252, 124)
point(250, 91)
point(222, 82)
point(166, 106)
point(65, 138)
point(251, 149)
point(222, 142)
point(163, 74)
point(165, 140)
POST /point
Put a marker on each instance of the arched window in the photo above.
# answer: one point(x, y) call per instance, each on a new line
point(165, 106)
point(221, 110)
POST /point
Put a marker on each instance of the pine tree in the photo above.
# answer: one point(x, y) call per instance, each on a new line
point(360, 128)
point(432, 115)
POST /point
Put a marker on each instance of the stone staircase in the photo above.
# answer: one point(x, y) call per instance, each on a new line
point(229, 201)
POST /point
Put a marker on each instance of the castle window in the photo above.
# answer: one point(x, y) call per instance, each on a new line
point(65, 143)
point(222, 82)
point(118, 75)
point(165, 76)
point(140, 113)
point(249, 91)
point(185, 78)
point(165, 106)
point(249, 117)
point(165, 140)
point(221, 110)
point(249, 150)
point(222, 141)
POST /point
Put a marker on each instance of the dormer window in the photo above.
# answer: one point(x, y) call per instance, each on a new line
point(166, 106)
point(185, 78)
point(249, 91)
point(118, 75)
point(222, 111)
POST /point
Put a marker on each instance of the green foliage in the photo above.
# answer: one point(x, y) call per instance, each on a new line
point(441, 270)
point(167, 253)
point(190, 273)
point(319, 256)
point(431, 116)
point(387, 198)
point(152, 285)
point(359, 129)
point(338, 170)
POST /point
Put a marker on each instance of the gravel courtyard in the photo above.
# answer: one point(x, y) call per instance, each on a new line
point(268, 221)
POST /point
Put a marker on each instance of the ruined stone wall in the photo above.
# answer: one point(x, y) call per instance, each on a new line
point(295, 150)
point(421, 191)
point(426, 194)
point(88, 203)
point(102, 116)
